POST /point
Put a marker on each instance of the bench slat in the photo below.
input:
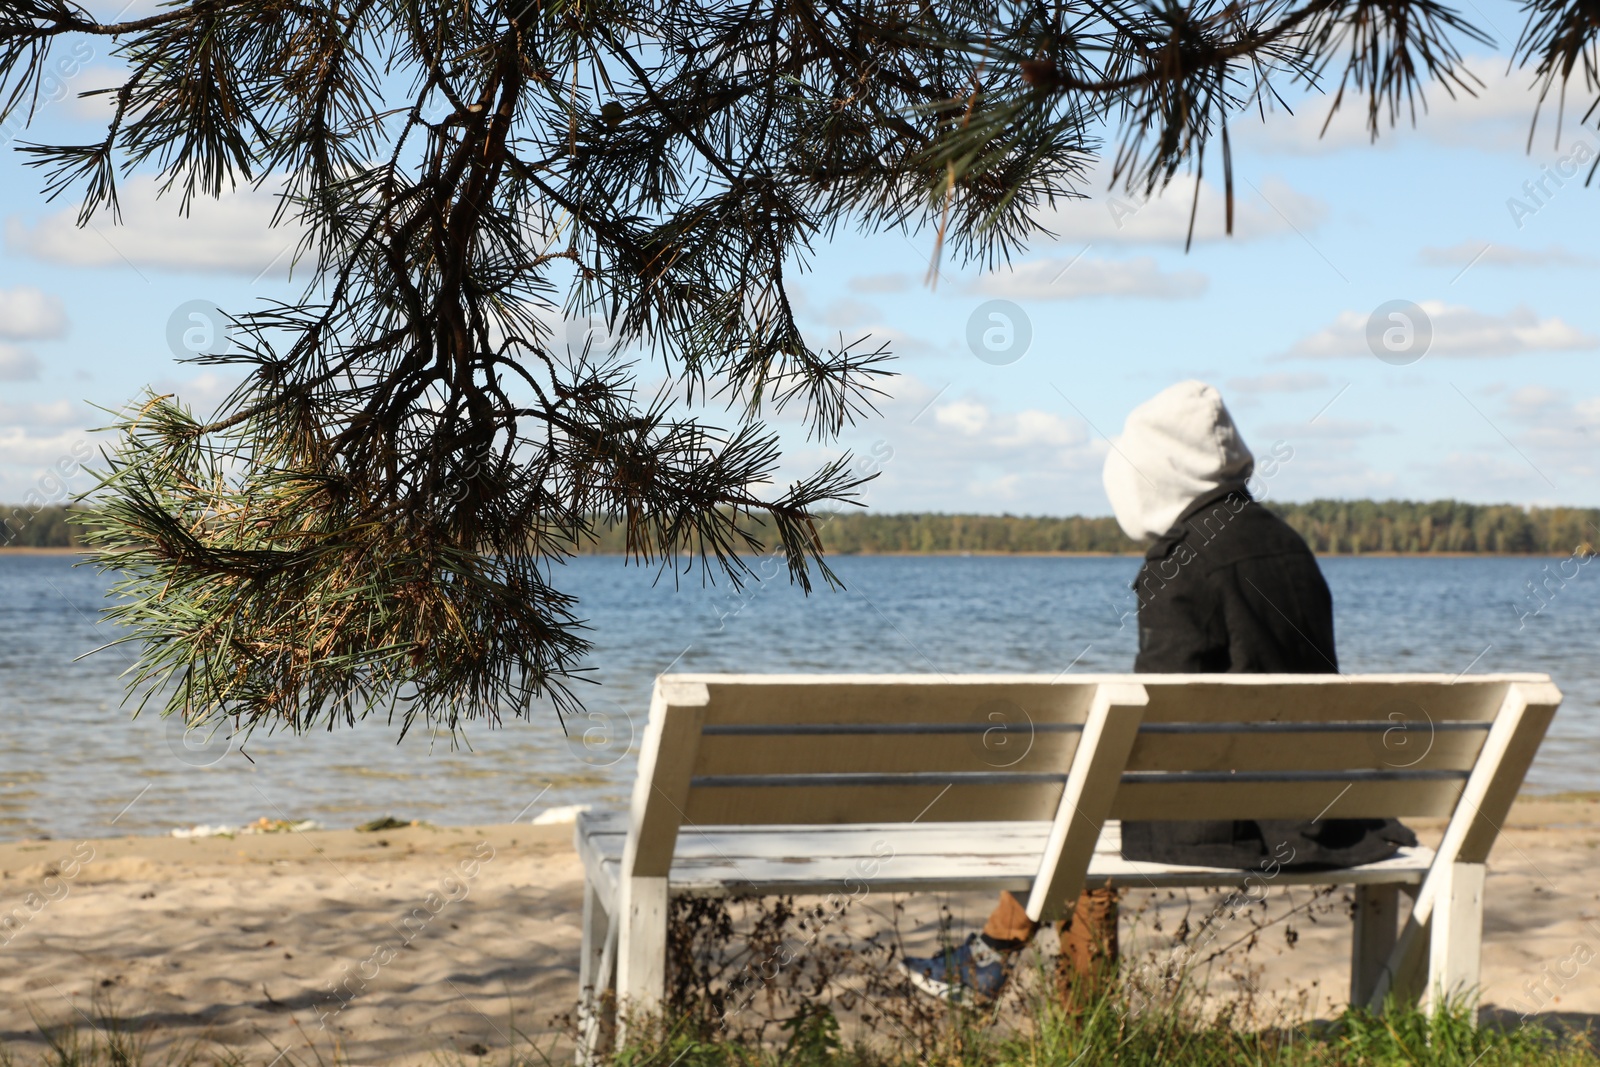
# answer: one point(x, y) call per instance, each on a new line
point(1341, 698)
point(991, 795)
point(852, 729)
point(911, 779)
point(1309, 749)
point(929, 874)
point(998, 749)
point(768, 699)
point(925, 747)
point(756, 699)
point(933, 747)
point(787, 842)
point(1303, 799)
point(946, 857)
point(766, 805)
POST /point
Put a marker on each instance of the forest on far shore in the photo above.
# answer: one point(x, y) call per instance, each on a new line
point(1345, 527)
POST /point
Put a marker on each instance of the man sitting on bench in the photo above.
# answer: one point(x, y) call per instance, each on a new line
point(1226, 586)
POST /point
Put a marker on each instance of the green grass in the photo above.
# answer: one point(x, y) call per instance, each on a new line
point(1105, 1035)
point(1038, 1035)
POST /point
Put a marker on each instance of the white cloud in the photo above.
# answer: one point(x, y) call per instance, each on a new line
point(1532, 443)
point(1457, 332)
point(966, 417)
point(123, 10)
point(1322, 469)
point(233, 235)
point(847, 313)
point(1008, 432)
point(881, 283)
point(19, 448)
point(1494, 474)
point(102, 106)
point(26, 314)
point(1558, 430)
point(1118, 217)
point(1076, 279)
point(1032, 427)
point(1533, 401)
point(1496, 119)
point(17, 365)
point(41, 459)
point(203, 393)
point(868, 336)
point(1326, 428)
point(1278, 383)
point(1472, 254)
point(48, 413)
point(965, 452)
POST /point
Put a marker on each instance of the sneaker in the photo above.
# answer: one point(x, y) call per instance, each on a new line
point(974, 969)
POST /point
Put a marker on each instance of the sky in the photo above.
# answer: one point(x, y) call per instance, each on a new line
point(1414, 319)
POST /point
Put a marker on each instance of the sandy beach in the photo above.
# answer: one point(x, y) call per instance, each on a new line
point(401, 944)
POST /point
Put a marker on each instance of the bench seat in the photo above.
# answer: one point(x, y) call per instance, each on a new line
point(926, 857)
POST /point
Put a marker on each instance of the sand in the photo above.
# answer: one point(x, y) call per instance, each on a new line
point(244, 941)
point(403, 944)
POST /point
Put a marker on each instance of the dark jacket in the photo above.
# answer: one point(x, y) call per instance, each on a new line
point(1232, 589)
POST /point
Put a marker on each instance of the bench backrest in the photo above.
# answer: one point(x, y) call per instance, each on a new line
point(750, 750)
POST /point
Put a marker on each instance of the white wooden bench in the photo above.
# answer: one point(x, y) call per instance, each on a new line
point(752, 785)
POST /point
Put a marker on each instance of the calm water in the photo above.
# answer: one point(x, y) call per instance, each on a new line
point(72, 761)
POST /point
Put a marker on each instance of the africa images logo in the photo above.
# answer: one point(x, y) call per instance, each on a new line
point(999, 332)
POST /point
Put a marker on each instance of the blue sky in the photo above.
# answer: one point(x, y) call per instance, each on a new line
point(1503, 406)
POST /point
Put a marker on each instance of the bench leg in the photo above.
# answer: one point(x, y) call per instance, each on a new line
point(594, 974)
point(642, 946)
point(1455, 936)
point(1373, 938)
point(1403, 978)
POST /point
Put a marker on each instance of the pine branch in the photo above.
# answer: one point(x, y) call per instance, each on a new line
point(372, 522)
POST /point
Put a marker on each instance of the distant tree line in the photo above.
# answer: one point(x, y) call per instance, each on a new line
point(1347, 527)
point(865, 533)
point(23, 526)
point(1356, 526)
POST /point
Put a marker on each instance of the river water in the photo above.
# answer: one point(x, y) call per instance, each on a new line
point(73, 762)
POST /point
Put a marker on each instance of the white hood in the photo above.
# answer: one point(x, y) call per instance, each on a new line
point(1176, 447)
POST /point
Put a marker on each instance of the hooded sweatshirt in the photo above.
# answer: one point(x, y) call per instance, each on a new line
point(1226, 586)
point(1177, 447)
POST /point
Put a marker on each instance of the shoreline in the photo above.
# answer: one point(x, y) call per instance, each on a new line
point(994, 554)
point(10, 847)
point(11, 550)
point(29, 550)
point(254, 841)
